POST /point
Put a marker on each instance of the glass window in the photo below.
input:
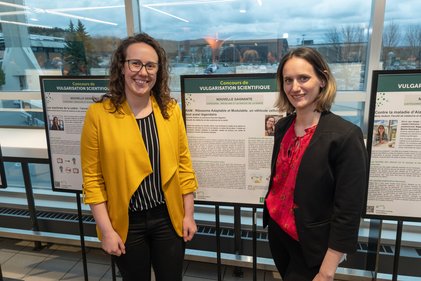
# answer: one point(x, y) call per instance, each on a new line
point(14, 174)
point(40, 176)
point(201, 37)
point(401, 48)
point(42, 37)
point(251, 36)
point(39, 173)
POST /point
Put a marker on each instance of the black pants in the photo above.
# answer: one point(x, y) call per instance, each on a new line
point(152, 240)
point(288, 255)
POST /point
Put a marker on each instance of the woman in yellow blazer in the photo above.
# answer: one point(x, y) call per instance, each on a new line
point(137, 172)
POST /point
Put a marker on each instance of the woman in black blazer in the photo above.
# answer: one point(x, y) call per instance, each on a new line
point(319, 174)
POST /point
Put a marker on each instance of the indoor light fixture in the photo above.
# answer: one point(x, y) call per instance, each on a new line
point(181, 3)
point(165, 13)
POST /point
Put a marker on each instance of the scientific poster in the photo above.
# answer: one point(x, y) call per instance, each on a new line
point(229, 122)
point(394, 142)
point(65, 101)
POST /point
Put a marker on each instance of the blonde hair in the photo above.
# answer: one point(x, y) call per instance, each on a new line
point(321, 68)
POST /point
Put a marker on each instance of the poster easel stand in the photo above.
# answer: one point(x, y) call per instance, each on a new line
point(397, 250)
point(113, 273)
point(238, 271)
point(254, 244)
point(82, 236)
point(373, 248)
point(218, 241)
point(30, 199)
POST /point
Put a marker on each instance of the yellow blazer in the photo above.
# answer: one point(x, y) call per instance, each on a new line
point(115, 161)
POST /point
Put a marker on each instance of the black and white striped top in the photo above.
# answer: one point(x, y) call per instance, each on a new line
point(149, 194)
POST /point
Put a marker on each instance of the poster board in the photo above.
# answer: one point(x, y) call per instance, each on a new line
point(65, 101)
point(225, 119)
point(394, 145)
point(3, 182)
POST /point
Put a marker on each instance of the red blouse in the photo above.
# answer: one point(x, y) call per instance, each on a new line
point(280, 200)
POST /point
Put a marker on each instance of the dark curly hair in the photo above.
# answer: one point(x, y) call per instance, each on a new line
point(160, 90)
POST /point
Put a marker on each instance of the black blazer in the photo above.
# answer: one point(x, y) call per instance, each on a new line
point(330, 187)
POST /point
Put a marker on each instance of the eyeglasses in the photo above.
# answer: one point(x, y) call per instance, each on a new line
point(137, 65)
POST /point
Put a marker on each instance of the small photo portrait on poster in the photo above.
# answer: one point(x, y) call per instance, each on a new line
point(270, 121)
point(56, 123)
point(384, 133)
point(3, 183)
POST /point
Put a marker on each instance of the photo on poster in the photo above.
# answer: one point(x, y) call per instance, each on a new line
point(384, 133)
point(270, 121)
point(56, 123)
point(3, 183)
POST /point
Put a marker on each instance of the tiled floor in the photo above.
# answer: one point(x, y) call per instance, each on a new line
point(19, 261)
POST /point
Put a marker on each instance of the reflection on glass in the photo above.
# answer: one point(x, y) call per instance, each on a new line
point(401, 36)
point(39, 173)
point(43, 37)
point(14, 174)
point(40, 176)
point(57, 38)
point(227, 37)
point(217, 37)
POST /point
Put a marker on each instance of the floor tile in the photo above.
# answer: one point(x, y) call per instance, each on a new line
point(272, 276)
point(203, 270)
point(13, 245)
point(20, 264)
point(97, 256)
point(95, 272)
point(6, 255)
point(50, 269)
point(190, 278)
point(246, 276)
point(67, 252)
point(109, 276)
point(11, 279)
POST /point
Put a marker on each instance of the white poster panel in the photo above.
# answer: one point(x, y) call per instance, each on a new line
point(229, 121)
point(394, 142)
point(65, 101)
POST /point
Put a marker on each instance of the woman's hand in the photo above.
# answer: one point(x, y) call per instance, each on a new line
point(189, 225)
point(189, 228)
point(329, 265)
point(112, 244)
point(322, 277)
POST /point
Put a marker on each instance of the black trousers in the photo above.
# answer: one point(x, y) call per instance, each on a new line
point(152, 240)
point(288, 255)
